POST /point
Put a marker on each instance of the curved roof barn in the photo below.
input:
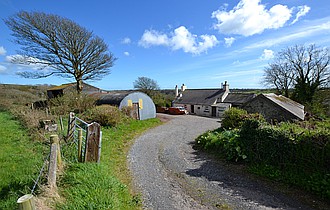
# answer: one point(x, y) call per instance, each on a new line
point(142, 105)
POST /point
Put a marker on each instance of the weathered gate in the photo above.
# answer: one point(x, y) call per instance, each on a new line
point(86, 137)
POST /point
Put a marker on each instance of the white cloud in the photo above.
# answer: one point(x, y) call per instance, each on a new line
point(305, 32)
point(250, 17)
point(152, 37)
point(303, 10)
point(180, 38)
point(2, 50)
point(229, 41)
point(126, 53)
point(22, 62)
point(267, 54)
point(3, 69)
point(126, 40)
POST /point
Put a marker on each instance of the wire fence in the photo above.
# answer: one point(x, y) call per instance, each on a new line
point(81, 144)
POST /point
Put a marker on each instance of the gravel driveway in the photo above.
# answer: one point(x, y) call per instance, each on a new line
point(172, 175)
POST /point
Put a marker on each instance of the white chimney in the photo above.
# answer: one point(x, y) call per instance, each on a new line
point(176, 91)
point(183, 88)
point(225, 87)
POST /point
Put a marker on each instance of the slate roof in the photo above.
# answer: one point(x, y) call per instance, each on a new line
point(237, 99)
point(288, 104)
point(199, 96)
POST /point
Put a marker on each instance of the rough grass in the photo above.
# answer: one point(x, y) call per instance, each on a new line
point(106, 185)
point(20, 161)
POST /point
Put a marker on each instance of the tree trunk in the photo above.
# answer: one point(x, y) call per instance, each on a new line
point(79, 85)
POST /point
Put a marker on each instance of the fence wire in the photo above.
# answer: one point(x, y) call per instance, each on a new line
point(69, 149)
point(40, 173)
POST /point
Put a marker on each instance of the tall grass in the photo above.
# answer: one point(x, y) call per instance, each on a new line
point(106, 185)
point(20, 160)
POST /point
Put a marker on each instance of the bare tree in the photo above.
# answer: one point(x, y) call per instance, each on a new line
point(306, 66)
point(59, 47)
point(146, 85)
point(279, 75)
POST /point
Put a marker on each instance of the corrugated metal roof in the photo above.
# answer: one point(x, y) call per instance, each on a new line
point(288, 104)
point(112, 97)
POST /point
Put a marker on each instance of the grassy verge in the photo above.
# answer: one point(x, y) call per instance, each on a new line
point(20, 161)
point(106, 185)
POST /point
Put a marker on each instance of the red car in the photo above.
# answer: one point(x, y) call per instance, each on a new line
point(177, 110)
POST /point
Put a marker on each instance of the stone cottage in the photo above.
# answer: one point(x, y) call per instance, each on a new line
point(209, 102)
point(275, 108)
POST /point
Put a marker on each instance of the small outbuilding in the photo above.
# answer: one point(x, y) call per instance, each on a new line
point(275, 107)
point(60, 90)
point(142, 105)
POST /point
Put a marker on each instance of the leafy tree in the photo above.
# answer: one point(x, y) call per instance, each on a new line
point(60, 47)
point(146, 85)
point(306, 66)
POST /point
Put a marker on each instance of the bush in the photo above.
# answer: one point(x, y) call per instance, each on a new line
point(225, 142)
point(105, 115)
point(71, 102)
point(295, 153)
point(235, 117)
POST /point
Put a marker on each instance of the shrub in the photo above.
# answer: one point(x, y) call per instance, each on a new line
point(225, 142)
point(105, 115)
point(295, 153)
point(128, 111)
point(235, 117)
point(71, 102)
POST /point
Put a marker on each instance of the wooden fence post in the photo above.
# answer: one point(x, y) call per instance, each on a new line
point(52, 165)
point(80, 159)
point(70, 133)
point(54, 139)
point(26, 202)
point(92, 142)
point(61, 123)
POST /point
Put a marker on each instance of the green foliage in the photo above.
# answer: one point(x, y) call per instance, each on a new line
point(71, 102)
point(105, 115)
point(320, 105)
point(106, 185)
point(162, 100)
point(92, 186)
point(235, 117)
point(20, 160)
point(225, 142)
point(294, 153)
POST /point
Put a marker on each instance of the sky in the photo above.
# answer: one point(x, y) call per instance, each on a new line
point(199, 43)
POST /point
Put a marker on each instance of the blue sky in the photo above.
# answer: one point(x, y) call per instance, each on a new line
point(198, 43)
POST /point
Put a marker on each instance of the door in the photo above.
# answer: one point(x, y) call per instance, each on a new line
point(135, 111)
point(192, 109)
point(214, 111)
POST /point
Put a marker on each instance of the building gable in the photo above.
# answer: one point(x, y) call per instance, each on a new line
point(274, 109)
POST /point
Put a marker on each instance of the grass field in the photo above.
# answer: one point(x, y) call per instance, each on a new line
point(20, 160)
point(106, 185)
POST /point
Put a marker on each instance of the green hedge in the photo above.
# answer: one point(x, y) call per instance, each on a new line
point(298, 154)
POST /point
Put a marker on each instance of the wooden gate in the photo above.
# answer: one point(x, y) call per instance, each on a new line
point(89, 146)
